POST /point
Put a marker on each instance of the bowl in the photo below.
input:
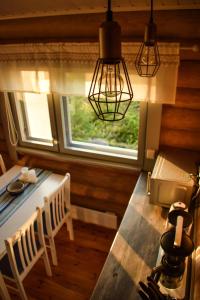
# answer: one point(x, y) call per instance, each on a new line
point(16, 187)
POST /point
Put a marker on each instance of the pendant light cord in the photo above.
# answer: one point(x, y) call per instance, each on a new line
point(151, 15)
point(109, 4)
point(109, 12)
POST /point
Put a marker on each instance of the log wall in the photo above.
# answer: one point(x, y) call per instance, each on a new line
point(103, 188)
point(3, 145)
point(180, 126)
point(178, 25)
point(107, 188)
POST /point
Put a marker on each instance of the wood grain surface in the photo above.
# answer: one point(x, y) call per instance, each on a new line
point(189, 75)
point(134, 251)
point(180, 126)
point(79, 265)
point(188, 98)
point(177, 25)
point(102, 188)
point(182, 139)
point(181, 118)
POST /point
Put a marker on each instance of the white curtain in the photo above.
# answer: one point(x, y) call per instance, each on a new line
point(162, 87)
point(67, 68)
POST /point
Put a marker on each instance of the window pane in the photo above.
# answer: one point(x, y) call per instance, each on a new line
point(37, 116)
point(85, 127)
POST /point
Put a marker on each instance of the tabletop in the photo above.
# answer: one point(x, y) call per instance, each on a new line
point(22, 214)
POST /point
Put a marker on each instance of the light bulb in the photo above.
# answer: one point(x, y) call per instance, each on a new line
point(148, 56)
point(111, 82)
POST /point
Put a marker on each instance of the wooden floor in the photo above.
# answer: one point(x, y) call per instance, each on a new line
point(79, 265)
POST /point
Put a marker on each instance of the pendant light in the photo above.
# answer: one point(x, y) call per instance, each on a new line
point(110, 92)
point(148, 60)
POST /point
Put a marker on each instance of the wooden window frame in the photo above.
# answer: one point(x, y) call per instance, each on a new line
point(25, 139)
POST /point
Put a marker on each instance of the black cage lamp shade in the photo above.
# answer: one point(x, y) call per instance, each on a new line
point(147, 60)
point(110, 92)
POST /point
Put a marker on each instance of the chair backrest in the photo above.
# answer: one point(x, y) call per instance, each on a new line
point(2, 165)
point(57, 205)
point(26, 246)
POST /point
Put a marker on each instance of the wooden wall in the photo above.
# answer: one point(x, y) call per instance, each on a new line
point(106, 189)
point(3, 145)
point(177, 25)
point(181, 122)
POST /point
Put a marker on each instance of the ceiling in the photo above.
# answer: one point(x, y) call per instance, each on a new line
point(10, 9)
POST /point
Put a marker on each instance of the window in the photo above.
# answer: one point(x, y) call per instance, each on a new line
point(80, 132)
point(82, 129)
point(36, 122)
point(65, 123)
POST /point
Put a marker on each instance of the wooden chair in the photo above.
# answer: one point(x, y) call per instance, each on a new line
point(24, 249)
point(2, 165)
point(3, 289)
point(57, 210)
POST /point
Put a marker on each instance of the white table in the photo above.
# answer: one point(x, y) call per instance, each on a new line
point(19, 217)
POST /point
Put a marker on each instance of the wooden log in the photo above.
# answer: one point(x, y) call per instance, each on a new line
point(102, 206)
point(187, 98)
point(177, 25)
point(189, 74)
point(180, 118)
point(103, 188)
point(190, 54)
point(2, 136)
point(100, 176)
point(7, 160)
point(102, 194)
point(3, 146)
point(182, 139)
point(114, 180)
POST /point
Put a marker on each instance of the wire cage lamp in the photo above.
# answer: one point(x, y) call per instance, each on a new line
point(110, 92)
point(147, 60)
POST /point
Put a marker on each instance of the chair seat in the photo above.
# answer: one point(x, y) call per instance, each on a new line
point(24, 248)
point(5, 265)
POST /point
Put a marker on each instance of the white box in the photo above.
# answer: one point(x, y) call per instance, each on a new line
point(171, 180)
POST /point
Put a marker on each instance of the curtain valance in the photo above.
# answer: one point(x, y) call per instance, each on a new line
point(67, 68)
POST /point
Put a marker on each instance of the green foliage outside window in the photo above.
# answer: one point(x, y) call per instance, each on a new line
point(86, 127)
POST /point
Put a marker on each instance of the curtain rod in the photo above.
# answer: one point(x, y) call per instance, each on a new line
point(194, 48)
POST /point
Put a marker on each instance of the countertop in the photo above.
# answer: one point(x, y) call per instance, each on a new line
point(135, 248)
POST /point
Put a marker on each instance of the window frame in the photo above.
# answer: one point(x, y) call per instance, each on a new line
point(96, 151)
point(56, 119)
point(22, 125)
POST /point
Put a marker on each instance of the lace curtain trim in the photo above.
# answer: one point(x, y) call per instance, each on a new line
point(81, 53)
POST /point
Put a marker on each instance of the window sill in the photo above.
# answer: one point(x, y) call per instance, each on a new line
point(78, 159)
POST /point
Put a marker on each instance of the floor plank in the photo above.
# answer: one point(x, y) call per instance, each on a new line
point(79, 265)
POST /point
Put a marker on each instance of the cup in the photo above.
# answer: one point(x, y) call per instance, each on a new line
point(32, 173)
point(24, 172)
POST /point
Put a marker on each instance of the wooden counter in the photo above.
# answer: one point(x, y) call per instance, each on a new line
point(134, 250)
